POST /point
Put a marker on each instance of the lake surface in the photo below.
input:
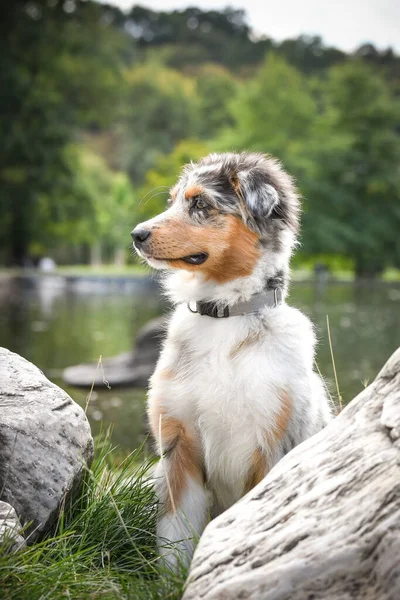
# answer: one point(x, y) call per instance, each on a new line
point(56, 324)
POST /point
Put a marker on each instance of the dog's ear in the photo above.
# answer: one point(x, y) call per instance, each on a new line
point(257, 196)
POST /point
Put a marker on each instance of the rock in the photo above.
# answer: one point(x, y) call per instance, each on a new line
point(10, 528)
point(325, 522)
point(45, 443)
point(128, 369)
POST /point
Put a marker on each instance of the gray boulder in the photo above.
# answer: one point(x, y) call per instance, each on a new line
point(10, 528)
point(45, 443)
point(324, 523)
point(128, 369)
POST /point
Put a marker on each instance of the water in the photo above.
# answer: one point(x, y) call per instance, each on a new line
point(55, 325)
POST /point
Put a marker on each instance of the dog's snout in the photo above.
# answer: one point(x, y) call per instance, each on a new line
point(140, 235)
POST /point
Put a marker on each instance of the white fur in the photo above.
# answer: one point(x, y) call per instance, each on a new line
point(178, 531)
point(228, 378)
point(233, 402)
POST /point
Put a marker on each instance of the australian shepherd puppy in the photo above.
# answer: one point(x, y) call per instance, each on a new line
point(234, 388)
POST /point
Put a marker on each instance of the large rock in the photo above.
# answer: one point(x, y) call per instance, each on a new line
point(128, 369)
point(45, 443)
point(324, 523)
point(10, 529)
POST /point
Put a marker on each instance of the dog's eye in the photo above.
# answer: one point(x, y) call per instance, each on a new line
point(199, 203)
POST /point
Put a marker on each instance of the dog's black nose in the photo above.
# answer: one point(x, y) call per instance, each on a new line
point(140, 235)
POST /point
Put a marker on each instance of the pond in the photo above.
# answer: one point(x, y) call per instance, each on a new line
point(55, 323)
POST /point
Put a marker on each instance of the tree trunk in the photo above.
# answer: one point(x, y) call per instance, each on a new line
point(95, 255)
point(325, 522)
point(119, 257)
point(19, 235)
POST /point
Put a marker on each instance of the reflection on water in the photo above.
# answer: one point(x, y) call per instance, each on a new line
point(55, 324)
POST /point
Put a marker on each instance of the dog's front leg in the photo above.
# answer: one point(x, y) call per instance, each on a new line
point(179, 482)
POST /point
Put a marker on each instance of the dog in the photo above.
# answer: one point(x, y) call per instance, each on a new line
point(234, 389)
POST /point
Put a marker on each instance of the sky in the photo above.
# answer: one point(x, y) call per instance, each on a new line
point(345, 24)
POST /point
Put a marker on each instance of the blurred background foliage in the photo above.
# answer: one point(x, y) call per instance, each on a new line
point(99, 110)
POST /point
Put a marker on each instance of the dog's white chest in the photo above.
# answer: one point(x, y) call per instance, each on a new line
point(227, 421)
point(231, 385)
point(227, 378)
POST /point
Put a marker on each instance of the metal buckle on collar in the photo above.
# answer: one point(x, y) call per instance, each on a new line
point(210, 309)
point(218, 312)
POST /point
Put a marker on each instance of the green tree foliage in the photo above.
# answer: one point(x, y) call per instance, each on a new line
point(162, 109)
point(155, 190)
point(97, 205)
point(193, 36)
point(203, 36)
point(273, 112)
point(309, 54)
point(99, 109)
point(49, 88)
point(216, 88)
point(355, 194)
point(90, 206)
point(339, 136)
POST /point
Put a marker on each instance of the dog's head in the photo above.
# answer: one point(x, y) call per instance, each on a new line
point(226, 213)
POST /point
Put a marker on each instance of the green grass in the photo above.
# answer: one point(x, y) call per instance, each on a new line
point(108, 270)
point(103, 545)
point(391, 275)
point(84, 271)
point(305, 273)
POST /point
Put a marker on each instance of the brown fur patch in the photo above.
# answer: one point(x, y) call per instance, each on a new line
point(192, 191)
point(257, 471)
point(282, 419)
point(231, 247)
point(180, 448)
point(236, 186)
point(249, 341)
point(184, 459)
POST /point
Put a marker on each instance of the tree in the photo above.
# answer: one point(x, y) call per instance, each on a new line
point(309, 54)
point(59, 69)
point(77, 74)
point(162, 109)
point(95, 210)
point(216, 88)
point(273, 112)
point(217, 36)
point(155, 190)
point(355, 192)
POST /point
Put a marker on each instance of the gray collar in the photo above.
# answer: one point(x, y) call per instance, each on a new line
point(270, 298)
